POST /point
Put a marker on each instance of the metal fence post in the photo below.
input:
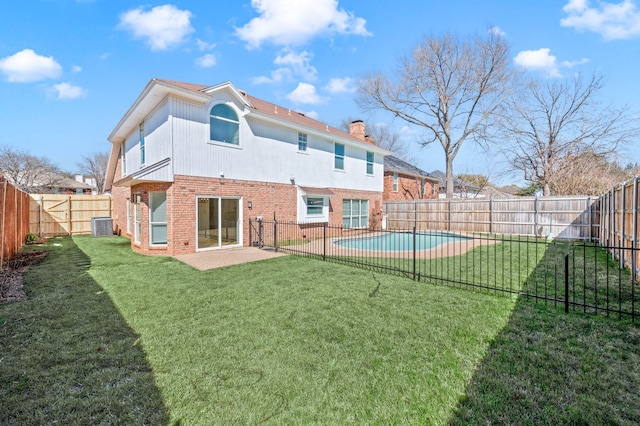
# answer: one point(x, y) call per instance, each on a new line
point(324, 241)
point(275, 235)
point(414, 253)
point(566, 276)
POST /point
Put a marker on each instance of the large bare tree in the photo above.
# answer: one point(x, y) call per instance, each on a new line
point(28, 172)
point(551, 125)
point(448, 86)
point(95, 166)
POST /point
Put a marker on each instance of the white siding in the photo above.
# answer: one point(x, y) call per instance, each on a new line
point(267, 152)
point(157, 140)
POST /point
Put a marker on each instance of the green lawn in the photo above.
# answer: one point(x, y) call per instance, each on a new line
point(293, 340)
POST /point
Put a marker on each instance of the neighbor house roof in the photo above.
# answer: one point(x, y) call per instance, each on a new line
point(396, 165)
point(457, 183)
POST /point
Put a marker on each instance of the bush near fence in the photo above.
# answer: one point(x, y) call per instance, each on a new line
point(14, 220)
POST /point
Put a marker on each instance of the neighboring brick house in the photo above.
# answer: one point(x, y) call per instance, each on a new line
point(461, 189)
point(191, 164)
point(403, 181)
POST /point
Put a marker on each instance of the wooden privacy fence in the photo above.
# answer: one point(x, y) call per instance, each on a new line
point(55, 214)
point(620, 212)
point(14, 221)
point(575, 218)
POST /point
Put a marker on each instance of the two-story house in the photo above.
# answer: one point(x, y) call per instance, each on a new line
point(190, 164)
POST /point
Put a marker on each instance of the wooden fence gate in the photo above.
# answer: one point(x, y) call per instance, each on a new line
point(54, 214)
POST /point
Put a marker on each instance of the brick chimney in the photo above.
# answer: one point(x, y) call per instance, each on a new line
point(356, 128)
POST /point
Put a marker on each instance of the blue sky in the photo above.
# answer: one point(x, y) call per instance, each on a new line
point(69, 69)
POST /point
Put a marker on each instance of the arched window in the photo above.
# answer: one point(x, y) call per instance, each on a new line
point(224, 124)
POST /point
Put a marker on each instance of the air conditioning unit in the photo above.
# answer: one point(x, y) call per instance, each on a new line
point(101, 226)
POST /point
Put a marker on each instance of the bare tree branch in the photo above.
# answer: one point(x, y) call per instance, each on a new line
point(449, 87)
point(553, 123)
point(95, 166)
point(26, 171)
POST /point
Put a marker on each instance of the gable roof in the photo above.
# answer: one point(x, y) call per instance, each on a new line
point(396, 165)
point(457, 183)
point(157, 89)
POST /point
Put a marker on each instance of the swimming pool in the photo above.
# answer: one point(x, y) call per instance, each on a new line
point(399, 241)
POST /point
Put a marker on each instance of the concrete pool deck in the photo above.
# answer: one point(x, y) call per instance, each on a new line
point(219, 258)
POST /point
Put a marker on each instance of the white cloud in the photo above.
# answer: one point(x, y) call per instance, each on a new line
point(294, 22)
point(76, 68)
point(203, 45)
point(540, 59)
point(312, 114)
point(495, 30)
point(571, 64)
point(299, 63)
point(340, 85)
point(27, 66)
point(163, 26)
point(206, 61)
point(292, 65)
point(611, 20)
point(306, 93)
point(68, 91)
point(277, 76)
point(105, 56)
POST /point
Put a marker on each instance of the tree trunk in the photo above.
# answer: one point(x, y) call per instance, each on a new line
point(449, 176)
point(546, 189)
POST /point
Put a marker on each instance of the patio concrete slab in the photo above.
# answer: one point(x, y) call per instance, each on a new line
point(211, 259)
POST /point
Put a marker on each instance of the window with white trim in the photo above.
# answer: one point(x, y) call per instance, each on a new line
point(338, 150)
point(224, 124)
point(315, 206)
point(355, 213)
point(302, 141)
point(137, 213)
point(158, 218)
point(124, 158)
point(129, 214)
point(369, 163)
point(142, 149)
point(395, 182)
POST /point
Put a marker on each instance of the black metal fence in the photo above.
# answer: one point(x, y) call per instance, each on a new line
point(575, 275)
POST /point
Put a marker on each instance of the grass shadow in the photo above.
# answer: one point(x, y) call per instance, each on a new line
point(548, 367)
point(66, 354)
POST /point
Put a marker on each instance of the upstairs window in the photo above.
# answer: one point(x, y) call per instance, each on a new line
point(302, 141)
point(338, 156)
point(224, 124)
point(124, 159)
point(142, 153)
point(369, 163)
point(395, 182)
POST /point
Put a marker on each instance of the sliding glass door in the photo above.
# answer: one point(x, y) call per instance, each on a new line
point(218, 222)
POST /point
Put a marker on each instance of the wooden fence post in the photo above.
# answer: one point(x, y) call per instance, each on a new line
point(4, 215)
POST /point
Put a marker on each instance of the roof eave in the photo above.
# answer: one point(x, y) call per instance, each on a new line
point(310, 130)
point(155, 91)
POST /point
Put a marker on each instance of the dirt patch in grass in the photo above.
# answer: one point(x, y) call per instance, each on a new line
point(11, 287)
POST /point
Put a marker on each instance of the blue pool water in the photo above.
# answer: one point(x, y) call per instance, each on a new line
point(400, 241)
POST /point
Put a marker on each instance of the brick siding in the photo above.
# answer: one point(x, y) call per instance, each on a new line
point(408, 188)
